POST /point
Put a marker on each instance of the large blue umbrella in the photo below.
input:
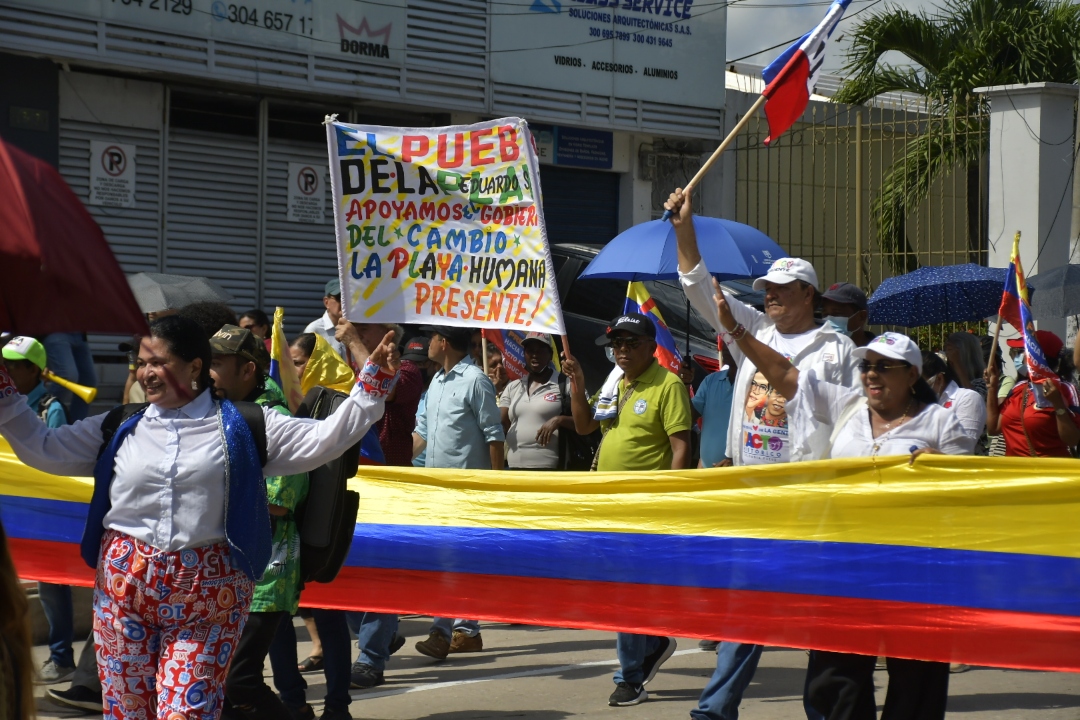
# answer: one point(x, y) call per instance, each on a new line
point(647, 251)
point(931, 295)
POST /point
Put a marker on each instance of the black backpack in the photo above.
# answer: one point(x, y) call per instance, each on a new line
point(327, 517)
point(576, 452)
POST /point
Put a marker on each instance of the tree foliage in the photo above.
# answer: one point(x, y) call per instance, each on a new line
point(952, 51)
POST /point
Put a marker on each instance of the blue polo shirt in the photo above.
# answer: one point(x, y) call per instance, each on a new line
point(713, 403)
point(460, 419)
point(56, 416)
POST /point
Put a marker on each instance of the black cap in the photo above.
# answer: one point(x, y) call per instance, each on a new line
point(449, 332)
point(633, 323)
point(416, 349)
point(847, 294)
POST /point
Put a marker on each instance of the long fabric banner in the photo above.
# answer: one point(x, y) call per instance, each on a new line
point(442, 226)
point(971, 560)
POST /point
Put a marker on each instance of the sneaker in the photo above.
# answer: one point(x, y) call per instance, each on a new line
point(76, 697)
point(708, 645)
point(304, 712)
point(958, 667)
point(653, 662)
point(51, 673)
point(365, 677)
point(397, 643)
point(436, 646)
point(463, 643)
point(335, 714)
point(626, 695)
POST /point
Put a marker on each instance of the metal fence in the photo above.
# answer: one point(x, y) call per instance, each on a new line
point(866, 193)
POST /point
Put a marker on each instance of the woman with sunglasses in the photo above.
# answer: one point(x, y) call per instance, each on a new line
point(1036, 419)
point(898, 415)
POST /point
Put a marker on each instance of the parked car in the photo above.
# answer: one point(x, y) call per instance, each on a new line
point(590, 305)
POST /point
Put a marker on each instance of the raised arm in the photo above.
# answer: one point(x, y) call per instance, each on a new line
point(579, 403)
point(776, 368)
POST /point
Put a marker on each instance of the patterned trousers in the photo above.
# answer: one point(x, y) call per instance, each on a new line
point(166, 625)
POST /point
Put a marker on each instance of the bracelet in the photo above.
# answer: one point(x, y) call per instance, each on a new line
point(738, 332)
point(375, 380)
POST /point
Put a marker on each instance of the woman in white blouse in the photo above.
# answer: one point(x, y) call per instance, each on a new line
point(178, 526)
point(897, 415)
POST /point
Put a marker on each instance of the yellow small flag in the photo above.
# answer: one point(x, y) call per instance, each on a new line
point(282, 369)
point(325, 367)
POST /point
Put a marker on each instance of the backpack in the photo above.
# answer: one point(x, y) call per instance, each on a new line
point(576, 452)
point(327, 517)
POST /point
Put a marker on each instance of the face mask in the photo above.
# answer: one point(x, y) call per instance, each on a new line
point(610, 352)
point(1020, 365)
point(839, 324)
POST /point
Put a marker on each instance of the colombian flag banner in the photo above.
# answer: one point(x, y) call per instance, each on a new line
point(638, 300)
point(959, 559)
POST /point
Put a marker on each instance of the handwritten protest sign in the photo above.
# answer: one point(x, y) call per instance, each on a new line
point(442, 226)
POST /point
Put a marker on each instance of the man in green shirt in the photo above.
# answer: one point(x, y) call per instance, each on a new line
point(643, 411)
point(236, 370)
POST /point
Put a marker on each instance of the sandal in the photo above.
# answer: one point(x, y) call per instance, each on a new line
point(313, 663)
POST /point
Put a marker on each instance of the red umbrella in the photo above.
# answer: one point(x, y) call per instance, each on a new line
point(57, 273)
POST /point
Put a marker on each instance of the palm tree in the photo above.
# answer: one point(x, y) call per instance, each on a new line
point(952, 51)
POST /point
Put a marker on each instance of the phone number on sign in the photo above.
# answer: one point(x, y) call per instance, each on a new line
point(180, 7)
point(268, 19)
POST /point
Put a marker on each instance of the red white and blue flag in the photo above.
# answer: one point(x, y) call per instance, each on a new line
point(790, 78)
point(638, 300)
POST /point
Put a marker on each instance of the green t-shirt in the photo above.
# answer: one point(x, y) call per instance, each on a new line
point(637, 439)
point(279, 590)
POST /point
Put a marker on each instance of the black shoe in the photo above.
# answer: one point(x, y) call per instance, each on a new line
point(76, 697)
point(305, 712)
point(653, 661)
point(626, 695)
point(365, 677)
point(397, 643)
point(335, 714)
point(708, 645)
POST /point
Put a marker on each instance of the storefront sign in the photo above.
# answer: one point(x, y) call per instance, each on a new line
point(574, 147)
point(307, 193)
point(112, 174)
point(442, 226)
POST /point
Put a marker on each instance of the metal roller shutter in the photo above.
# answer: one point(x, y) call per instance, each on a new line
point(212, 210)
point(298, 258)
point(580, 206)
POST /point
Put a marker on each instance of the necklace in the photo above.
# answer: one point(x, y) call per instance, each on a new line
point(900, 420)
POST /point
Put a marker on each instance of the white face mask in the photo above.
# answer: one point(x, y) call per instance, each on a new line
point(838, 323)
point(1020, 363)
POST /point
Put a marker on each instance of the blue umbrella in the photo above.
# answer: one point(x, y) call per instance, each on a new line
point(647, 252)
point(931, 295)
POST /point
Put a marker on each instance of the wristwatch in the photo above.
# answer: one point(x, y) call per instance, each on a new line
point(1060, 411)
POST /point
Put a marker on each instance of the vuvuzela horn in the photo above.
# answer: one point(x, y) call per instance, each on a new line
point(87, 394)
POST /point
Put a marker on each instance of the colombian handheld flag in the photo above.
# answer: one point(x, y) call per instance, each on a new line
point(282, 370)
point(325, 367)
point(790, 78)
point(1016, 310)
point(638, 300)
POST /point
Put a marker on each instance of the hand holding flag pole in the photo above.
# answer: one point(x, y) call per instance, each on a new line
point(1009, 311)
point(789, 81)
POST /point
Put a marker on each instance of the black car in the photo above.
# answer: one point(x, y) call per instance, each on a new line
point(590, 305)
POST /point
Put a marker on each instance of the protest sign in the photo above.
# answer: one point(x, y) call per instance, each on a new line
point(442, 226)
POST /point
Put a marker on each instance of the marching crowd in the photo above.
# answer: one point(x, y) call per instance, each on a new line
point(198, 570)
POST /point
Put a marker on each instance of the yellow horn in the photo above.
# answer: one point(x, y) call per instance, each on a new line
point(87, 394)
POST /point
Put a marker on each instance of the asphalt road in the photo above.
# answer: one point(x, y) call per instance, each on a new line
point(536, 673)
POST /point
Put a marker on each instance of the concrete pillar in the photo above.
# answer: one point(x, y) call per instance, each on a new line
point(1031, 156)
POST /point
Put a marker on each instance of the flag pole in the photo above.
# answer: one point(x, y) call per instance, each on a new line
point(720, 150)
point(997, 330)
point(483, 349)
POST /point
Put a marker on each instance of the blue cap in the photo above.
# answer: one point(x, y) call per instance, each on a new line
point(333, 288)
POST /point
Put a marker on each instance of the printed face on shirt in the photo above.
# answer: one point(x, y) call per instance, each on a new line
point(759, 388)
point(775, 408)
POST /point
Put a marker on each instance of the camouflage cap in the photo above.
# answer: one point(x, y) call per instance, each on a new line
point(233, 340)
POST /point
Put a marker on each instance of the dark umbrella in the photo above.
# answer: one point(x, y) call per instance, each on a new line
point(59, 274)
point(1058, 293)
point(157, 291)
point(932, 295)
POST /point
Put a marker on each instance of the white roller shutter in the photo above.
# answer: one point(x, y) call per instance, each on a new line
point(212, 210)
point(298, 258)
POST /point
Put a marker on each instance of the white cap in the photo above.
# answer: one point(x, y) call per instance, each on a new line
point(895, 346)
point(787, 270)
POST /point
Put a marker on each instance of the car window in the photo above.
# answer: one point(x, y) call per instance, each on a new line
point(672, 303)
point(600, 299)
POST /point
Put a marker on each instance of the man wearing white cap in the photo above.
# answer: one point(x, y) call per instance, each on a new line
point(787, 326)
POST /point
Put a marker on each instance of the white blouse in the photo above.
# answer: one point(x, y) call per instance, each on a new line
point(933, 427)
point(168, 488)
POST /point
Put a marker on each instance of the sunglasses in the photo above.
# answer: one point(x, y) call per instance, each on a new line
point(628, 343)
point(880, 367)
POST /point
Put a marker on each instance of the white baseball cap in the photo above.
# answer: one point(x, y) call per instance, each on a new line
point(786, 270)
point(895, 346)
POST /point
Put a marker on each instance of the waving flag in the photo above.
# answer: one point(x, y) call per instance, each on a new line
point(1016, 293)
point(790, 78)
point(638, 300)
point(325, 367)
point(282, 370)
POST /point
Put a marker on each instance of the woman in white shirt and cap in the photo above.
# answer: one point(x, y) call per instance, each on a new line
point(178, 527)
point(898, 415)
